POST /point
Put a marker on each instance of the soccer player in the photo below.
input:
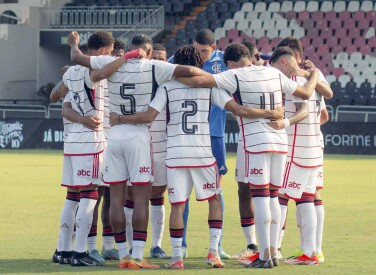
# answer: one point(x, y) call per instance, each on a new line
point(129, 156)
point(304, 156)
point(204, 42)
point(157, 211)
point(255, 55)
point(324, 89)
point(265, 148)
point(83, 148)
point(189, 159)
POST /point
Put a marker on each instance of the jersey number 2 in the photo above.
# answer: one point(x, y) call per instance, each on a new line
point(132, 100)
point(186, 114)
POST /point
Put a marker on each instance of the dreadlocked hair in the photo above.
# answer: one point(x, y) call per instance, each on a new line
point(188, 55)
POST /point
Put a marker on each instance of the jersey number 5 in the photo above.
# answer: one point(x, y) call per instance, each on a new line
point(186, 114)
point(132, 100)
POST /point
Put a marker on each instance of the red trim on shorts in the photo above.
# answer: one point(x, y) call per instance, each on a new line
point(140, 183)
point(209, 198)
point(114, 182)
point(88, 154)
point(179, 202)
point(192, 166)
point(304, 193)
point(77, 186)
point(302, 166)
point(276, 186)
point(291, 198)
point(263, 152)
point(320, 187)
point(258, 185)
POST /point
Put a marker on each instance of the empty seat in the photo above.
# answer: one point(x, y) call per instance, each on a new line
point(274, 7)
point(242, 25)
point(344, 79)
point(339, 6)
point(353, 6)
point(281, 24)
point(326, 6)
point(285, 33)
point(344, 16)
point(299, 33)
point(286, 6)
point(260, 7)
point(330, 78)
point(239, 15)
point(312, 6)
point(247, 7)
point(330, 15)
point(366, 6)
point(265, 16)
point(219, 33)
point(256, 24)
point(356, 58)
point(290, 15)
point(299, 6)
point(272, 33)
point(232, 34)
point(304, 16)
point(269, 24)
point(258, 33)
point(229, 24)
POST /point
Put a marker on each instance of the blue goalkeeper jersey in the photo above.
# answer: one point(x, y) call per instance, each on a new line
point(217, 119)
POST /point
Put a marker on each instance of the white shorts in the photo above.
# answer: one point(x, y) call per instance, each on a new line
point(299, 180)
point(264, 169)
point(181, 181)
point(160, 170)
point(320, 177)
point(130, 159)
point(82, 171)
point(240, 163)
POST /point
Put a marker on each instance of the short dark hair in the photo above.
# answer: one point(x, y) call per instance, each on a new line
point(188, 55)
point(250, 45)
point(294, 44)
point(140, 40)
point(280, 51)
point(99, 40)
point(234, 52)
point(159, 47)
point(83, 48)
point(119, 45)
point(204, 37)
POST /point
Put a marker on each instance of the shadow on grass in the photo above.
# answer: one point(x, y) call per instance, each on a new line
point(37, 266)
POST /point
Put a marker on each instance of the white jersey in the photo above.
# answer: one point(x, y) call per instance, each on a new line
point(158, 131)
point(66, 122)
point(258, 87)
point(87, 99)
point(188, 133)
point(133, 86)
point(106, 114)
point(304, 137)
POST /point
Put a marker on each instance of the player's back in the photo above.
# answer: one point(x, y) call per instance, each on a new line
point(304, 137)
point(188, 134)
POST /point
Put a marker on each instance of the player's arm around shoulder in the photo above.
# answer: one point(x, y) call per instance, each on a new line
point(90, 122)
point(305, 92)
point(253, 113)
point(301, 113)
point(58, 92)
point(138, 118)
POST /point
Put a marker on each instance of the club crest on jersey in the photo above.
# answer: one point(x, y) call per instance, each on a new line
point(217, 68)
point(294, 184)
point(208, 186)
point(83, 173)
point(11, 133)
point(144, 170)
point(255, 171)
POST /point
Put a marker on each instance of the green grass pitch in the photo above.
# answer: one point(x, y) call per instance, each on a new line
point(31, 201)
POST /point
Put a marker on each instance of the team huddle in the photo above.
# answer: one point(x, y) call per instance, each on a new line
point(137, 125)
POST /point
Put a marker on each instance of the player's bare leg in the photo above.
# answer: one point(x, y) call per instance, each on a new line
point(157, 218)
point(141, 195)
point(117, 218)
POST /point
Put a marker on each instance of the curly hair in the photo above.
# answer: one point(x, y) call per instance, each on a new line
point(234, 52)
point(119, 45)
point(293, 43)
point(188, 55)
point(99, 40)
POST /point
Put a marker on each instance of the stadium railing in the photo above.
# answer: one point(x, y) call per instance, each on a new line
point(355, 113)
point(15, 108)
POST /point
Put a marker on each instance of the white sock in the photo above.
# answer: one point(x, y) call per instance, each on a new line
point(215, 235)
point(308, 224)
point(138, 250)
point(262, 221)
point(67, 218)
point(247, 231)
point(157, 217)
point(91, 243)
point(59, 246)
point(129, 228)
point(282, 222)
point(320, 214)
point(108, 242)
point(299, 225)
point(84, 219)
point(176, 245)
point(275, 211)
point(123, 251)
